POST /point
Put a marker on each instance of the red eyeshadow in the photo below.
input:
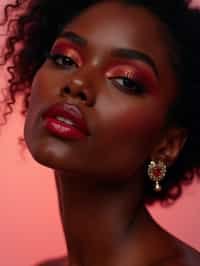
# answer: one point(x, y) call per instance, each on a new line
point(66, 48)
point(139, 70)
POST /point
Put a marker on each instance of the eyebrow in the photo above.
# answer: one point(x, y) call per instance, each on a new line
point(134, 54)
point(118, 52)
point(73, 37)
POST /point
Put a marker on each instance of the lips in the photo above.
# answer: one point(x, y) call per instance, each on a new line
point(68, 111)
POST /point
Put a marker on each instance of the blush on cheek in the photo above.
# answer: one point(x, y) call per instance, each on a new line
point(142, 127)
point(45, 84)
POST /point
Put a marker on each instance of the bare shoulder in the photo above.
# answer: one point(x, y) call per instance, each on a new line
point(60, 261)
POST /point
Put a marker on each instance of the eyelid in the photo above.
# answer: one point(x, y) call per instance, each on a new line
point(55, 57)
point(134, 65)
point(120, 71)
point(63, 47)
point(120, 68)
point(70, 55)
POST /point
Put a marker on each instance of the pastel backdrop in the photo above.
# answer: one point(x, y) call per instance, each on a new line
point(30, 227)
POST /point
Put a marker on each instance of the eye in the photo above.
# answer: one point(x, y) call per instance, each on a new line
point(128, 84)
point(62, 60)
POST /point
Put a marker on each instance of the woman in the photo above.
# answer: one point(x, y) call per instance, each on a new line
point(113, 110)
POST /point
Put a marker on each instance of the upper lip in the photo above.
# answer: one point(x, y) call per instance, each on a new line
point(68, 111)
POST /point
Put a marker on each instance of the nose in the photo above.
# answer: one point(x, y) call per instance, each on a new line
point(77, 87)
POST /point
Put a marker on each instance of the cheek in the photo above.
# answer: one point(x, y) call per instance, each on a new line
point(44, 89)
point(141, 123)
point(139, 130)
point(38, 99)
point(127, 133)
point(46, 84)
point(135, 117)
point(42, 85)
point(134, 128)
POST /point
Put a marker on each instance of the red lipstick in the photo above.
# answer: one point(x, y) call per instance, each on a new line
point(66, 121)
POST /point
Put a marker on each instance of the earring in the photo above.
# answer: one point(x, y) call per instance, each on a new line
point(157, 172)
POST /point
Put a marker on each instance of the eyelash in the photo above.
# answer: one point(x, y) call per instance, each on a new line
point(54, 57)
point(138, 88)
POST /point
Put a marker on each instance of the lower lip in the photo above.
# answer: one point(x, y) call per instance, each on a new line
point(62, 130)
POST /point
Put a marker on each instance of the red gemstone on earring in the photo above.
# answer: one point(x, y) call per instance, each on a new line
point(157, 172)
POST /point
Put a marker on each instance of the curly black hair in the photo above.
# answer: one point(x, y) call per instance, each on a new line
point(32, 27)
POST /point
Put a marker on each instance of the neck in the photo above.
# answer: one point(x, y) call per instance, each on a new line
point(101, 221)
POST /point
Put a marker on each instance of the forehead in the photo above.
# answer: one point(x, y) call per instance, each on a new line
point(113, 23)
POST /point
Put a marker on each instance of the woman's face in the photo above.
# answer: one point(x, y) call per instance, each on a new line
point(120, 76)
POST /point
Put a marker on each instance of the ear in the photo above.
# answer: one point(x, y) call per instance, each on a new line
point(170, 145)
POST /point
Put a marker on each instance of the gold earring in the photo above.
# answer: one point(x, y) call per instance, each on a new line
point(157, 172)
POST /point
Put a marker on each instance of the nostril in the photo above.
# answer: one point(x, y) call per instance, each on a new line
point(66, 90)
point(82, 95)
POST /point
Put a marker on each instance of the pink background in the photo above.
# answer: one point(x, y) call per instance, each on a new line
point(30, 227)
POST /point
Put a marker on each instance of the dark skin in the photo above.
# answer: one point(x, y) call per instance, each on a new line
point(101, 177)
